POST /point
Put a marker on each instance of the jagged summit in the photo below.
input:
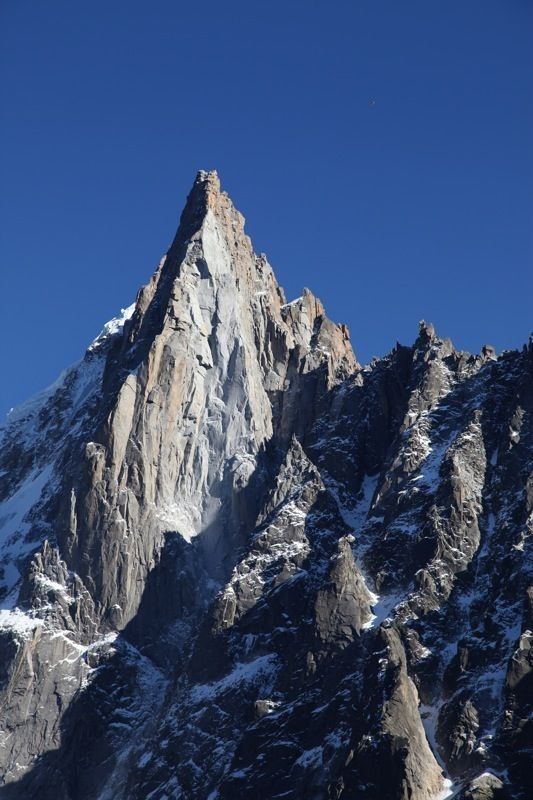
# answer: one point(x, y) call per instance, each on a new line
point(235, 563)
point(206, 195)
point(426, 330)
point(208, 176)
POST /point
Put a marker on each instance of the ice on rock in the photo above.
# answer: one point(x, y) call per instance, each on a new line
point(113, 326)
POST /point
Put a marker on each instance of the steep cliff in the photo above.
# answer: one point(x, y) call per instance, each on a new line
point(235, 563)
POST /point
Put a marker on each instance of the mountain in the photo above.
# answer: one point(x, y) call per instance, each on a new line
point(237, 563)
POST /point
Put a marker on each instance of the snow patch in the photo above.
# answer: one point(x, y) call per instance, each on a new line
point(383, 608)
point(262, 669)
point(113, 327)
point(447, 790)
point(310, 757)
point(292, 302)
point(19, 622)
point(355, 517)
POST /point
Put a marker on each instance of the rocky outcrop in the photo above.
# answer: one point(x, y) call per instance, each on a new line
point(237, 563)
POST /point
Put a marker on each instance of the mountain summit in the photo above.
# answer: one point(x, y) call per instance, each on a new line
point(236, 563)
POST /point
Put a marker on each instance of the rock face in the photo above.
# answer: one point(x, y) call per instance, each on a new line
point(235, 563)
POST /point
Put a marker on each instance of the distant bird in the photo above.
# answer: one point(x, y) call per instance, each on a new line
point(371, 103)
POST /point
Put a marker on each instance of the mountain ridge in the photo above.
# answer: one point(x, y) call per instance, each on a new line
point(248, 552)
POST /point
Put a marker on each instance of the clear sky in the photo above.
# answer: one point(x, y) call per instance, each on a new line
point(382, 152)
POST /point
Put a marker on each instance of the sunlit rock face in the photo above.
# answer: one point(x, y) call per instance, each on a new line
point(236, 563)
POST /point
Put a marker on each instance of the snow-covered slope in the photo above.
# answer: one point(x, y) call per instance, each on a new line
point(35, 440)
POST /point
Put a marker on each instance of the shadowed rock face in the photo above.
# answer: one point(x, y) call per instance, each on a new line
point(235, 563)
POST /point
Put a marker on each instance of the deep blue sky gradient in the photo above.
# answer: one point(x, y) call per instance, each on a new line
point(381, 151)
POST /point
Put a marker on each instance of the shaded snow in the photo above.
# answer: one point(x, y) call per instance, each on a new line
point(262, 669)
point(14, 526)
point(44, 436)
point(355, 517)
point(32, 406)
point(429, 716)
point(310, 757)
point(383, 608)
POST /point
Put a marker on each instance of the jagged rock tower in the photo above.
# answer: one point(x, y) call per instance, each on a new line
point(235, 563)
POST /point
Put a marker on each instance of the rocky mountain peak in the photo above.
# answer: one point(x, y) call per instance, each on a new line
point(205, 194)
point(207, 202)
point(236, 563)
point(426, 331)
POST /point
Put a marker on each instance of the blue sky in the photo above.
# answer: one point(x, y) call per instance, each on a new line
point(381, 151)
